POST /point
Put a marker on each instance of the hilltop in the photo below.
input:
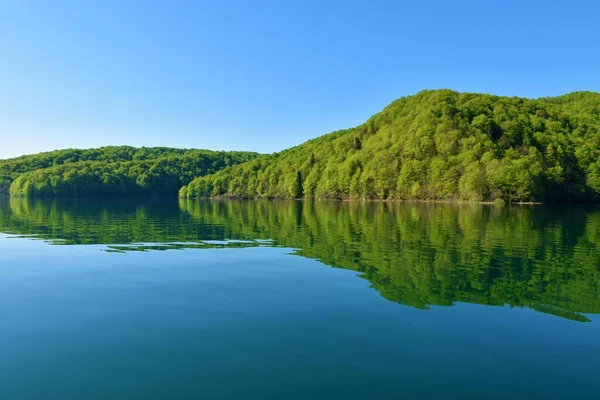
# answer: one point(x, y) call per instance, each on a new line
point(437, 145)
point(111, 171)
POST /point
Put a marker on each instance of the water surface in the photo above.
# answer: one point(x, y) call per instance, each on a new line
point(201, 299)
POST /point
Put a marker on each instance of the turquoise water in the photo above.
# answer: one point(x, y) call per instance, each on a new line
point(167, 299)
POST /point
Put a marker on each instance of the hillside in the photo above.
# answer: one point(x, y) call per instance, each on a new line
point(437, 145)
point(111, 171)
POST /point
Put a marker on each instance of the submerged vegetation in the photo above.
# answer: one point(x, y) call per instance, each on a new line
point(437, 145)
point(111, 171)
point(419, 255)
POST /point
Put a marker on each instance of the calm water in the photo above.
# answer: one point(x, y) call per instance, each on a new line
point(296, 300)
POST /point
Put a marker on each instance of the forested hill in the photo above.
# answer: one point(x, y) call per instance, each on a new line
point(437, 145)
point(111, 171)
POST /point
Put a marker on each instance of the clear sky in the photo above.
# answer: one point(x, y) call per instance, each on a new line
point(266, 75)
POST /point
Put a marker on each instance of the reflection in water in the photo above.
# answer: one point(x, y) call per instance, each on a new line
point(546, 259)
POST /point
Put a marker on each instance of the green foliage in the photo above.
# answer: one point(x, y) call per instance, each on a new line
point(111, 171)
point(4, 185)
point(438, 145)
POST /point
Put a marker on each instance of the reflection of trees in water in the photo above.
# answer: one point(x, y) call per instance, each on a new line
point(546, 259)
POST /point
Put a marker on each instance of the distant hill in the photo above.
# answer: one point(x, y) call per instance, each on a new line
point(111, 171)
point(437, 145)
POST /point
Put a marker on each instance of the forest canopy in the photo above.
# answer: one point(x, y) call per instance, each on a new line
point(437, 145)
point(111, 171)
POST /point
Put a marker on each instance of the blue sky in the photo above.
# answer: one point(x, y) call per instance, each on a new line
point(266, 75)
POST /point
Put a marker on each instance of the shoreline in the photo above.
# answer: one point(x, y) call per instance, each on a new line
point(224, 198)
point(498, 203)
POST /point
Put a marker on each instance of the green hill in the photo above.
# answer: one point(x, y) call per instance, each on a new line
point(111, 171)
point(437, 145)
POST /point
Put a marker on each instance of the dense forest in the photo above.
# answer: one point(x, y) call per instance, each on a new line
point(419, 255)
point(437, 145)
point(111, 171)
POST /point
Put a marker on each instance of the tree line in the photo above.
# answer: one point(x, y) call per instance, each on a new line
point(111, 171)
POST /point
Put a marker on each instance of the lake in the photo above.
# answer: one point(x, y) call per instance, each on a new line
point(253, 299)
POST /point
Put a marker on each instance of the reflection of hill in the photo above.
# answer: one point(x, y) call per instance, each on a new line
point(424, 255)
point(414, 254)
point(83, 221)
